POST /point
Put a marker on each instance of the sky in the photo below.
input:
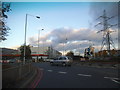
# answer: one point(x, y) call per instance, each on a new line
point(60, 20)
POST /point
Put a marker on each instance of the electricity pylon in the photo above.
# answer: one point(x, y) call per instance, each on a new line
point(107, 40)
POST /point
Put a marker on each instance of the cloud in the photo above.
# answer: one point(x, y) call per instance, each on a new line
point(77, 39)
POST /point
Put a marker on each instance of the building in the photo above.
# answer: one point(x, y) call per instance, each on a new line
point(36, 53)
point(52, 53)
point(9, 53)
point(44, 52)
point(104, 53)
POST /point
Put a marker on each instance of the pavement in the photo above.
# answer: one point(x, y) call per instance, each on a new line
point(25, 82)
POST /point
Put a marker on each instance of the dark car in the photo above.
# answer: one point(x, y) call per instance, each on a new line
point(62, 60)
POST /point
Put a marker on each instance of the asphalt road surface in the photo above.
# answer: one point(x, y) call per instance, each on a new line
point(75, 77)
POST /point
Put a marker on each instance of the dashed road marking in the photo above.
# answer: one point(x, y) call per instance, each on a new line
point(111, 78)
point(49, 70)
point(116, 80)
point(62, 72)
point(84, 75)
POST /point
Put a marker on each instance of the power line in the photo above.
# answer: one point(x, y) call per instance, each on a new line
point(107, 40)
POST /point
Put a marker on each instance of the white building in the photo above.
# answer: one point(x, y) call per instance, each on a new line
point(44, 51)
point(40, 50)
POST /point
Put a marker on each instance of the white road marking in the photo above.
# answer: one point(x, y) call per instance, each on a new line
point(113, 79)
point(84, 75)
point(62, 72)
point(49, 70)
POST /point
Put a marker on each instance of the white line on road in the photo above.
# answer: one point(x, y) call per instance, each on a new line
point(49, 70)
point(115, 81)
point(62, 72)
point(111, 78)
point(84, 75)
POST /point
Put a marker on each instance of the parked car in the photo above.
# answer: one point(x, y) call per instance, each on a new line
point(47, 60)
point(1, 61)
point(62, 60)
point(4, 61)
point(12, 60)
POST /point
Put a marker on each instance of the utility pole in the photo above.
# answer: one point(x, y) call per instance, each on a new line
point(64, 44)
point(107, 40)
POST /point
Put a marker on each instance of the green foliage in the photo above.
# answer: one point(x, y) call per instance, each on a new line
point(5, 8)
point(27, 52)
point(71, 54)
point(3, 27)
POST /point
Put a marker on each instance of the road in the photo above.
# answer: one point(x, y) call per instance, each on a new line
point(74, 77)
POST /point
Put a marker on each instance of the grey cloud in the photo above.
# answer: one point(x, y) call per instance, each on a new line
point(75, 37)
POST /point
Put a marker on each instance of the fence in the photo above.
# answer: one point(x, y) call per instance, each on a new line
point(11, 75)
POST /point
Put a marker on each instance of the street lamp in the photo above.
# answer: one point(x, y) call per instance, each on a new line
point(63, 47)
point(79, 49)
point(25, 33)
point(38, 42)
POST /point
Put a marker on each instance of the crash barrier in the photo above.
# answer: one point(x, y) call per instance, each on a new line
point(12, 75)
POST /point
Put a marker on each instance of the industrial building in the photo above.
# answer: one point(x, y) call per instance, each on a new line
point(44, 52)
point(8, 53)
point(36, 53)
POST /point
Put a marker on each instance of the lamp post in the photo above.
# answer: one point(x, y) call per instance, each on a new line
point(79, 49)
point(26, 33)
point(63, 43)
point(38, 42)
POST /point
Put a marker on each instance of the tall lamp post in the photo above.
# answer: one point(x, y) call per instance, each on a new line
point(63, 47)
point(25, 33)
point(79, 49)
point(38, 42)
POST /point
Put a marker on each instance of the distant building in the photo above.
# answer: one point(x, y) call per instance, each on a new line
point(44, 52)
point(104, 53)
point(9, 53)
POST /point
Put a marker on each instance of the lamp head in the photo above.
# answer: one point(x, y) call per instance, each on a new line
point(37, 17)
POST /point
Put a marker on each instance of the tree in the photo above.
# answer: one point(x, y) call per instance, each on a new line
point(71, 54)
point(27, 52)
point(4, 7)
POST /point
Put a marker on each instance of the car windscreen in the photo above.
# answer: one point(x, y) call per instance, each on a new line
point(62, 58)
